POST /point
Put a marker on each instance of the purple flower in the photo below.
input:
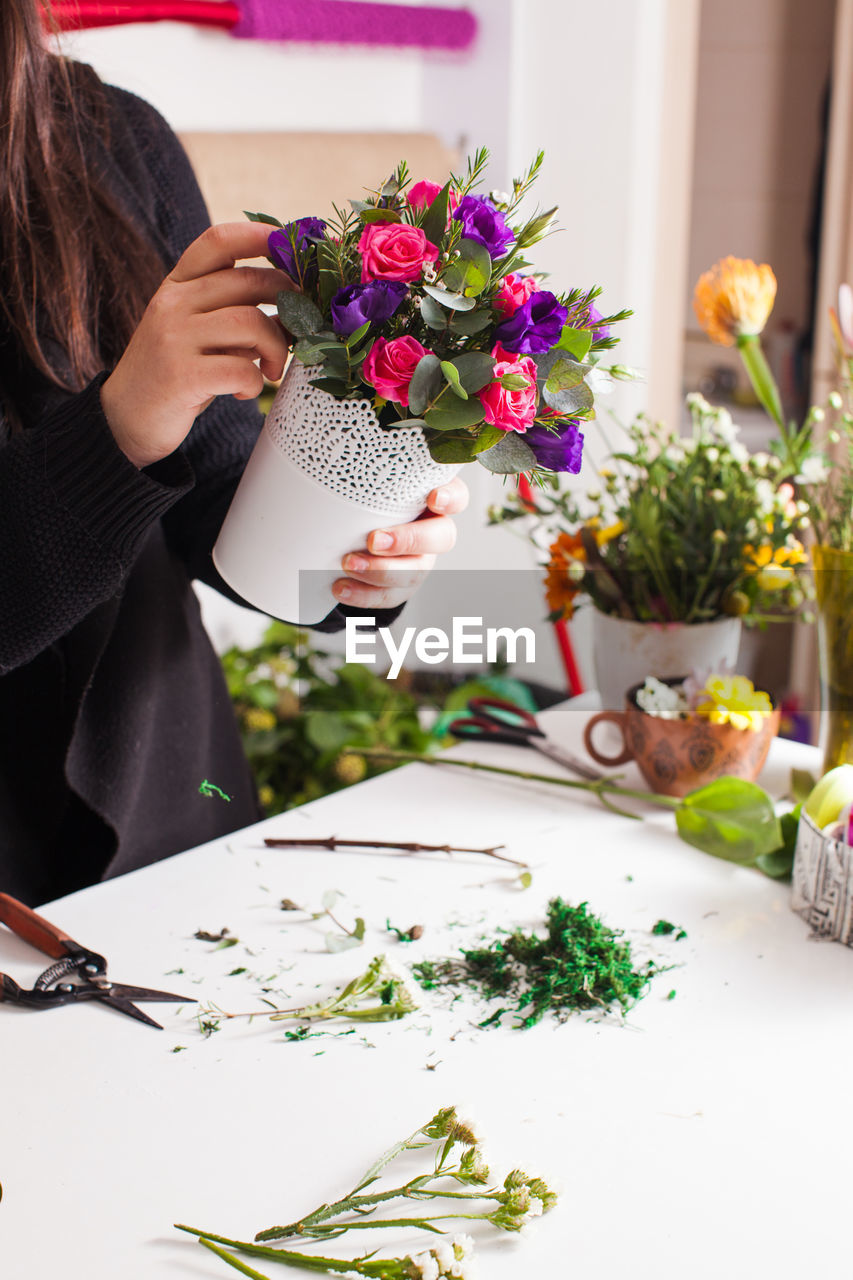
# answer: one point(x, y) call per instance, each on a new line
point(557, 451)
point(482, 222)
point(535, 327)
point(302, 266)
point(356, 303)
point(599, 330)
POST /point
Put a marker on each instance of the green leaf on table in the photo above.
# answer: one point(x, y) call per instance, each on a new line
point(803, 784)
point(452, 414)
point(780, 864)
point(336, 942)
point(263, 217)
point(299, 315)
point(730, 818)
point(509, 456)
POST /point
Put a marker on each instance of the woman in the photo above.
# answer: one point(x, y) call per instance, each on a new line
point(126, 423)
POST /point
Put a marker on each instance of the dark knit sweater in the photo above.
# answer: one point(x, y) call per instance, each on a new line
point(113, 707)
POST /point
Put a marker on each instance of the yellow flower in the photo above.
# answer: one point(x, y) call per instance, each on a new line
point(257, 719)
point(734, 299)
point(774, 569)
point(734, 700)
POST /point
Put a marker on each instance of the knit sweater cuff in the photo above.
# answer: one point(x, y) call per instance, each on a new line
point(97, 484)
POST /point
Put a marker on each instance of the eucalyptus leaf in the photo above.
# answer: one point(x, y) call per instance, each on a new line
point(486, 438)
point(451, 414)
point(470, 322)
point(509, 456)
point(730, 818)
point(452, 377)
point(308, 353)
point(452, 301)
point(453, 450)
point(330, 898)
point(470, 273)
point(576, 400)
point(435, 316)
point(299, 315)
point(576, 341)
point(564, 374)
point(475, 369)
point(333, 387)
point(426, 381)
point(263, 217)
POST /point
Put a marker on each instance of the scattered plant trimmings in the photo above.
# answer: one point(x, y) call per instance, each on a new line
point(418, 300)
point(378, 984)
point(719, 698)
point(403, 846)
point(664, 928)
point(457, 1179)
point(729, 818)
point(581, 964)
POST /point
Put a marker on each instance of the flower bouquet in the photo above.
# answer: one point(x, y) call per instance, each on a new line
point(691, 535)
point(419, 345)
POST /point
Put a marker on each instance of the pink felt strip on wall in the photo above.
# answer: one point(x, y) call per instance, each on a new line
point(302, 21)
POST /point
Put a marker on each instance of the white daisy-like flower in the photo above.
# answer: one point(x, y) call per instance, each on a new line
point(712, 454)
point(426, 1265)
point(664, 702)
point(765, 492)
point(444, 1255)
point(739, 452)
point(814, 470)
point(724, 428)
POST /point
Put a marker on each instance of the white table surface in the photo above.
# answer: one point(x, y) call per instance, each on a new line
point(707, 1136)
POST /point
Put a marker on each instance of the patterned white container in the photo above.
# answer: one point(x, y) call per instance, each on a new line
point(822, 888)
point(322, 475)
point(626, 652)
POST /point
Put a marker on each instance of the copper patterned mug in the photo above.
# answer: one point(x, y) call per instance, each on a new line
point(677, 756)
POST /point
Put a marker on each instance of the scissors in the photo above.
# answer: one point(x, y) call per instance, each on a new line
point(494, 720)
point(86, 969)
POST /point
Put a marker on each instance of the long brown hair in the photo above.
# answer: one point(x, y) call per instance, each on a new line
point(75, 274)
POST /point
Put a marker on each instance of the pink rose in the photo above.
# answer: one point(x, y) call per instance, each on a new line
point(514, 291)
point(422, 194)
point(510, 410)
point(389, 366)
point(393, 251)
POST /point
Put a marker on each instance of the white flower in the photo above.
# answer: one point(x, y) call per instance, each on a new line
point(765, 492)
point(696, 401)
point(463, 1246)
point(724, 429)
point(426, 1264)
point(718, 495)
point(665, 702)
point(712, 454)
point(814, 470)
point(444, 1255)
point(599, 382)
point(761, 460)
point(834, 400)
point(535, 1208)
point(500, 197)
point(739, 452)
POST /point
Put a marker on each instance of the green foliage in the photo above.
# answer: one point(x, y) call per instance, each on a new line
point(731, 819)
point(303, 723)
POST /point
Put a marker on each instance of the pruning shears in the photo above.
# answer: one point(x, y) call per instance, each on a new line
point(77, 974)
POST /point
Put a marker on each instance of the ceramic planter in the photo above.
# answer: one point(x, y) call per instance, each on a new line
point(627, 652)
point(322, 475)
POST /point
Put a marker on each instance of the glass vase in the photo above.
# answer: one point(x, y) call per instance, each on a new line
point(834, 591)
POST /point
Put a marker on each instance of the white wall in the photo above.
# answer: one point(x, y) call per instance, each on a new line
point(585, 81)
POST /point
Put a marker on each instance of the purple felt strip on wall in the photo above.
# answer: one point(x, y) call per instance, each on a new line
point(353, 22)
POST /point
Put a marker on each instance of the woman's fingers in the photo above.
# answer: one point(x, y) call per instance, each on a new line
point(221, 246)
point(387, 571)
point(244, 329)
point(429, 536)
point(450, 498)
point(362, 596)
point(238, 286)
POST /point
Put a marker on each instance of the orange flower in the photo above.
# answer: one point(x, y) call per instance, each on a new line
point(562, 582)
point(734, 299)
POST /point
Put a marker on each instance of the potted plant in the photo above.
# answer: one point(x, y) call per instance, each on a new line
point(420, 344)
point(684, 540)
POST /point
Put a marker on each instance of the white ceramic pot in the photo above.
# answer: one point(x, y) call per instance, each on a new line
point(322, 475)
point(626, 652)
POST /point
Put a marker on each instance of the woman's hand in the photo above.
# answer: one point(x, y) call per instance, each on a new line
point(198, 338)
point(398, 558)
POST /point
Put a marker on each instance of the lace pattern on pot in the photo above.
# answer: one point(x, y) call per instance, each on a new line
point(340, 444)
